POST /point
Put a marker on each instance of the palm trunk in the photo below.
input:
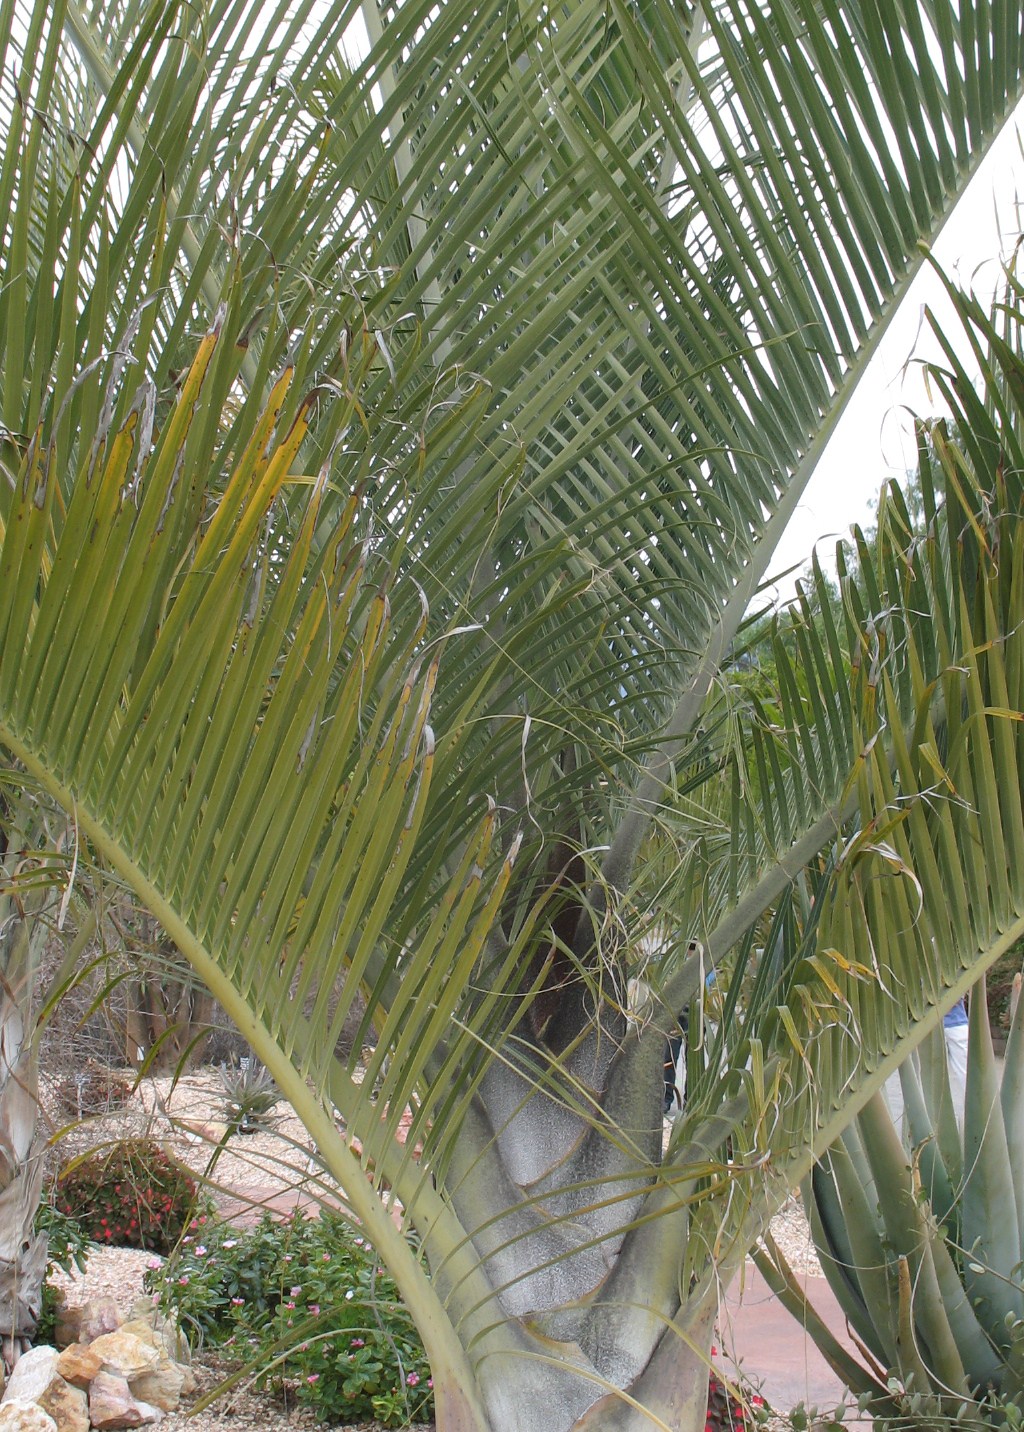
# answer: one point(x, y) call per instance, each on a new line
point(22, 1251)
point(603, 1291)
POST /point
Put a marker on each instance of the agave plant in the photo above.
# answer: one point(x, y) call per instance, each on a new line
point(249, 1096)
point(920, 1240)
point(394, 438)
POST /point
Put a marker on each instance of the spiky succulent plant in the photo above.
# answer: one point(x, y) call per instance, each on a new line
point(921, 1240)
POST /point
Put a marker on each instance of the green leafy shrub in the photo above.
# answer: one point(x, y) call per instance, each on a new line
point(307, 1301)
point(131, 1194)
point(67, 1248)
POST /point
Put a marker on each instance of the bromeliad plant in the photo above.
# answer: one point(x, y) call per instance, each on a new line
point(392, 441)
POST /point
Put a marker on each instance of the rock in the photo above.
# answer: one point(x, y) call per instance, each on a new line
point(162, 1387)
point(98, 1317)
point(67, 1325)
point(37, 1378)
point(126, 1355)
point(163, 1382)
point(160, 1333)
point(67, 1405)
point(19, 1416)
point(32, 1375)
point(78, 1365)
point(112, 1405)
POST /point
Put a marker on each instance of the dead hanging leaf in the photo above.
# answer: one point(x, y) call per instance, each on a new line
point(849, 967)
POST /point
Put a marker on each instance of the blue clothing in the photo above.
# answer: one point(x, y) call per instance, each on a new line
point(956, 1016)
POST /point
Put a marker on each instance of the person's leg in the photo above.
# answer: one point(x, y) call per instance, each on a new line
point(956, 1062)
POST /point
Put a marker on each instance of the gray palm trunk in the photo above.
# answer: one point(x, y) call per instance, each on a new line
point(581, 1240)
point(22, 1250)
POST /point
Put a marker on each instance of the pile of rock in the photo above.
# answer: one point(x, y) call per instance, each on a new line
point(104, 1374)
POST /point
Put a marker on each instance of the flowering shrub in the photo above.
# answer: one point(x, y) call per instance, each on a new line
point(725, 1412)
point(314, 1288)
point(129, 1195)
point(307, 1301)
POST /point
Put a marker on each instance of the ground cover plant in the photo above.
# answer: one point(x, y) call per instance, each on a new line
point(68, 1246)
point(393, 441)
point(306, 1303)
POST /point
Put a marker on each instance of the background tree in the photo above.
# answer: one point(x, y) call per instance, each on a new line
point(393, 445)
point(40, 904)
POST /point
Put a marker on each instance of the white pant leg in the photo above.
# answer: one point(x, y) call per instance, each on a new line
point(956, 1062)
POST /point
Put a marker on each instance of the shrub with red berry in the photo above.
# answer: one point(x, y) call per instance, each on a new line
point(131, 1194)
point(725, 1412)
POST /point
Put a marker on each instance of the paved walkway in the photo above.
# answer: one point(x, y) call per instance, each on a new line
point(765, 1347)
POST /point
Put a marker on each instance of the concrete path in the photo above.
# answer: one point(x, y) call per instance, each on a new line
point(765, 1348)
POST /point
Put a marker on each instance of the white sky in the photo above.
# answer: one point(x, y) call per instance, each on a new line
point(874, 438)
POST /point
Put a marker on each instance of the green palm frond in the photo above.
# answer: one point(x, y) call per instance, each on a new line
point(395, 440)
point(914, 760)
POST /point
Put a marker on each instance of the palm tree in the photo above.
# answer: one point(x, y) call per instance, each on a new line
point(400, 406)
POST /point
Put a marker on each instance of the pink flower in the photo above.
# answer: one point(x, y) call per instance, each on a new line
point(430, 1382)
point(296, 1291)
point(312, 1377)
point(357, 1342)
point(183, 1280)
point(412, 1379)
point(200, 1251)
point(314, 1308)
point(230, 1243)
point(238, 1302)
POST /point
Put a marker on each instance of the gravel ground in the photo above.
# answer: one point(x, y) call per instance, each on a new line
point(188, 1118)
point(791, 1232)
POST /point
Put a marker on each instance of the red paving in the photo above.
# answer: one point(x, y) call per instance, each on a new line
point(766, 1347)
